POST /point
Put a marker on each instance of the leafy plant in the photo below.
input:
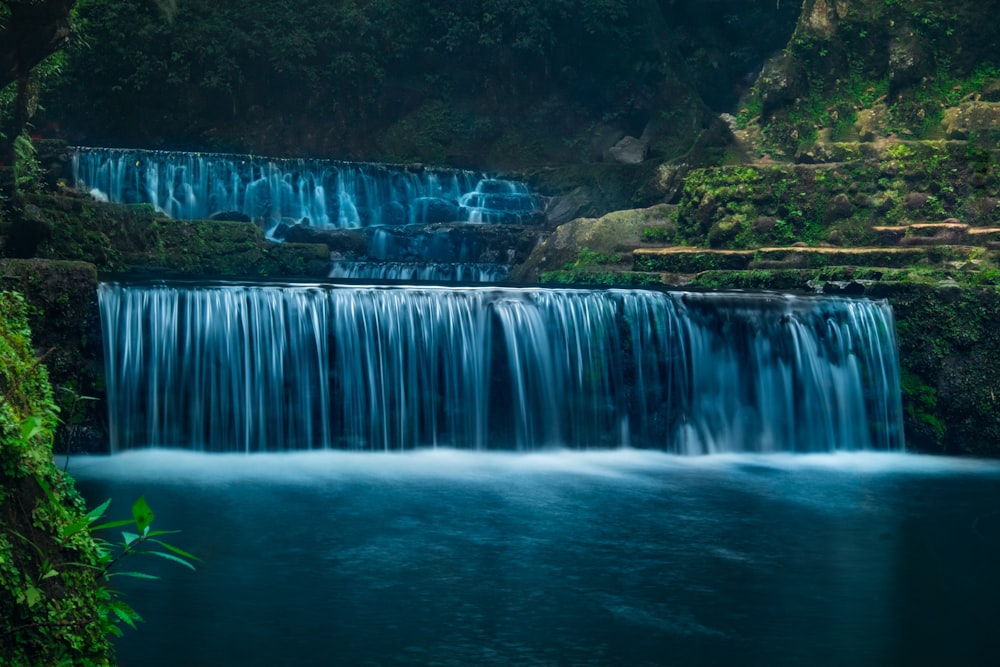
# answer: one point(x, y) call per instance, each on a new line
point(142, 541)
point(57, 605)
point(588, 257)
point(27, 171)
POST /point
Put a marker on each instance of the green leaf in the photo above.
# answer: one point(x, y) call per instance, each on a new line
point(31, 427)
point(177, 551)
point(172, 557)
point(32, 596)
point(142, 514)
point(96, 513)
point(134, 575)
point(83, 522)
point(75, 527)
point(154, 533)
point(113, 524)
point(126, 615)
point(34, 546)
point(44, 486)
point(51, 573)
point(129, 538)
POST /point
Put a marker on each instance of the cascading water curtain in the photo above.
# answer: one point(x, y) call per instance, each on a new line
point(318, 193)
point(268, 367)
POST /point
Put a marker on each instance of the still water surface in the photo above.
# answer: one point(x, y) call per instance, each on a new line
point(564, 558)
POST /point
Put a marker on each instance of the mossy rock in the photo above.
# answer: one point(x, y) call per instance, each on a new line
point(690, 260)
point(950, 355)
point(584, 241)
point(135, 239)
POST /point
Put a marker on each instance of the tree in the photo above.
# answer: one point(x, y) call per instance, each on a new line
point(30, 32)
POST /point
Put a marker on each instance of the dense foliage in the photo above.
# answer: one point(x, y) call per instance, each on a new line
point(56, 607)
point(363, 78)
point(53, 610)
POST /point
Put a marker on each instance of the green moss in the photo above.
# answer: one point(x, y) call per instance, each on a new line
point(691, 261)
point(118, 238)
point(599, 278)
point(61, 304)
point(951, 357)
point(920, 405)
point(53, 610)
point(587, 257)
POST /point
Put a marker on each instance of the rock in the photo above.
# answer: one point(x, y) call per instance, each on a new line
point(870, 123)
point(628, 150)
point(907, 61)
point(978, 118)
point(575, 204)
point(915, 201)
point(780, 82)
point(730, 121)
point(394, 213)
point(616, 233)
point(435, 209)
point(723, 232)
point(603, 138)
point(839, 207)
point(991, 91)
point(863, 200)
point(764, 223)
point(27, 232)
point(280, 232)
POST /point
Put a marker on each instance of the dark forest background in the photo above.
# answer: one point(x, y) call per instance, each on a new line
point(494, 82)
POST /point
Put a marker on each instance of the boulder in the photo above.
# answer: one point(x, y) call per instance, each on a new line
point(628, 150)
point(979, 118)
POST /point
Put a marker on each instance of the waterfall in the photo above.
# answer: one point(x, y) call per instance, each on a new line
point(321, 193)
point(458, 272)
point(275, 367)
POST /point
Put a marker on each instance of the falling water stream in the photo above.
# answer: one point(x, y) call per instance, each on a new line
point(320, 193)
point(486, 476)
point(287, 367)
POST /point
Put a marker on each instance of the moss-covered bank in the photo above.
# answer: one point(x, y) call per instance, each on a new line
point(136, 239)
point(53, 609)
point(61, 309)
point(949, 350)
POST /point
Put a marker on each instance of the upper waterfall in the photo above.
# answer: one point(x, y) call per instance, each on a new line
point(321, 193)
point(273, 367)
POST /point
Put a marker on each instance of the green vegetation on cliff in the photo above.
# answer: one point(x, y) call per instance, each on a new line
point(53, 609)
point(136, 239)
point(876, 68)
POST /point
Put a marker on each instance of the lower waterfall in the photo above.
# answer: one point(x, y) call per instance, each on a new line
point(284, 367)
